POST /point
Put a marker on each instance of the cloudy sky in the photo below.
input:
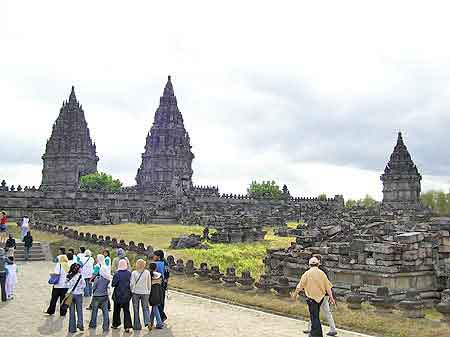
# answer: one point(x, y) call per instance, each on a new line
point(311, 94)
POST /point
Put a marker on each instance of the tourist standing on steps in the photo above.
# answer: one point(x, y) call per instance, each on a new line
point(87, 270)
point(316, 285)
point(122, 296)
point(75, 285)
point(162, 267)
point(10, 246)
point(3, 221)
point(120, 256)
point(156, 296)
point(140, 285)
point(24, 227)
point(59, 289)
point(100, 295)
point(326, 303)
point(11, 277)
point(28, 243)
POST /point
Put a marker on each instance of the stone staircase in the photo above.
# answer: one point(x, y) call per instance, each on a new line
point(37, 252)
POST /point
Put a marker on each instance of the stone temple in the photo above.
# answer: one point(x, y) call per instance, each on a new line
point(167, 160)
point(70, 152)
point(401, 179)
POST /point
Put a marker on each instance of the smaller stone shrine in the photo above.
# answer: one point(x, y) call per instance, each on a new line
point(187, 241)
point(235, 228)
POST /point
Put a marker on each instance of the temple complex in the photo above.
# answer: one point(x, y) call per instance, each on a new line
point(401, 179)
point(70, 152)
point(167, 160)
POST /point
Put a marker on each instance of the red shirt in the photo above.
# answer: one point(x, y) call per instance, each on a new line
point(3, 220)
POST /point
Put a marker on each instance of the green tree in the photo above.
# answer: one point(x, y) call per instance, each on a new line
point(322, 196)
point(429, 199)
point(350, 203)
point(442, 203)
point(264, 189)
point(368, 201)
point(100, 181)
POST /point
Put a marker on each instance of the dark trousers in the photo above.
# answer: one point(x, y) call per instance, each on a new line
point(2, 285)
point(163, 301)
point(57, 293)
point(314, 312)
point(126, 315)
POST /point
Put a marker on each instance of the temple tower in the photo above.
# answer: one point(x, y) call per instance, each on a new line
point(401, 179)
point(69, 153)
point(167, 161)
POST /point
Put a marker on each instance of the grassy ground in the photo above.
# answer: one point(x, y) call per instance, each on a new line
point(243, 256)
point(393, 325)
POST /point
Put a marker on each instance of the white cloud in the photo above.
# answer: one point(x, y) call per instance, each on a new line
point(308, 93)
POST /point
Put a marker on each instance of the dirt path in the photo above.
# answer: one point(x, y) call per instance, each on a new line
point(189, 316)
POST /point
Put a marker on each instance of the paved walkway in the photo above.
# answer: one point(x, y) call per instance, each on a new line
point(189, 316)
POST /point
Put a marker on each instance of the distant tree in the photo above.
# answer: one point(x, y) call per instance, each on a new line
point(350, 203)
point(442, 203)
point(264, 189)
point(100, 181)
point(368, 201)
point(439, 201)
point(322, 196)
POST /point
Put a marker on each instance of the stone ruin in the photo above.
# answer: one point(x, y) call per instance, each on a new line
point(236, 228)
point(371, 249)
point(188, 241)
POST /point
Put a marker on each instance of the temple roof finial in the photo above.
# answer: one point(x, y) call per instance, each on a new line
point(168, 90)
point(72, 97)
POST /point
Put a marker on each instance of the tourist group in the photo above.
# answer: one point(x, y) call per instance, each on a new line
point(7, 263)
point(77, 278)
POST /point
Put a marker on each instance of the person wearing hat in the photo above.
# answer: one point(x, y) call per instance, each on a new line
point(316, 285)
point(325, 305)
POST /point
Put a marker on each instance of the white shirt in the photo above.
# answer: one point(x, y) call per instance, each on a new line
point(62, 276)
point(88, 267)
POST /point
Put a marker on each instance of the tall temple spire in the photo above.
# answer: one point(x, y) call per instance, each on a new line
point(167, 160)
point(70, 152)
point(401, 178)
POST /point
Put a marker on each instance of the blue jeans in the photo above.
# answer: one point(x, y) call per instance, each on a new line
point(102, 303)
point(76, 321)
point(146, 311)
point(88, 288)
point(155, 314)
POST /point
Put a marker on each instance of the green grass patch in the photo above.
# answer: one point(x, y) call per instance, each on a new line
point(243, 256)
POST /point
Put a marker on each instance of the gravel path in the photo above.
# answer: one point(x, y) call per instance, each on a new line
point(189, 316)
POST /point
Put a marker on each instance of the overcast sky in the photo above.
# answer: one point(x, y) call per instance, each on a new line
point(310, 94)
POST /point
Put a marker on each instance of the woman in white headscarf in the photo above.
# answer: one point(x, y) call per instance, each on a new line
point(24, 227)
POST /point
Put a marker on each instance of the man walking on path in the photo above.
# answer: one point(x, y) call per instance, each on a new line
point(316, 285)
point(326, 304)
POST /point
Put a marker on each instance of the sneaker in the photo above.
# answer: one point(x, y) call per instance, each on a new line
point(332, 333)
point(160, 327)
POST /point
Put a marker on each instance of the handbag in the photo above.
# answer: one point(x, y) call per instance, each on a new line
point(67, 301)
point(54, 278)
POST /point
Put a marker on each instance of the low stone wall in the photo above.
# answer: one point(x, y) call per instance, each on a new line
point(131, 205)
